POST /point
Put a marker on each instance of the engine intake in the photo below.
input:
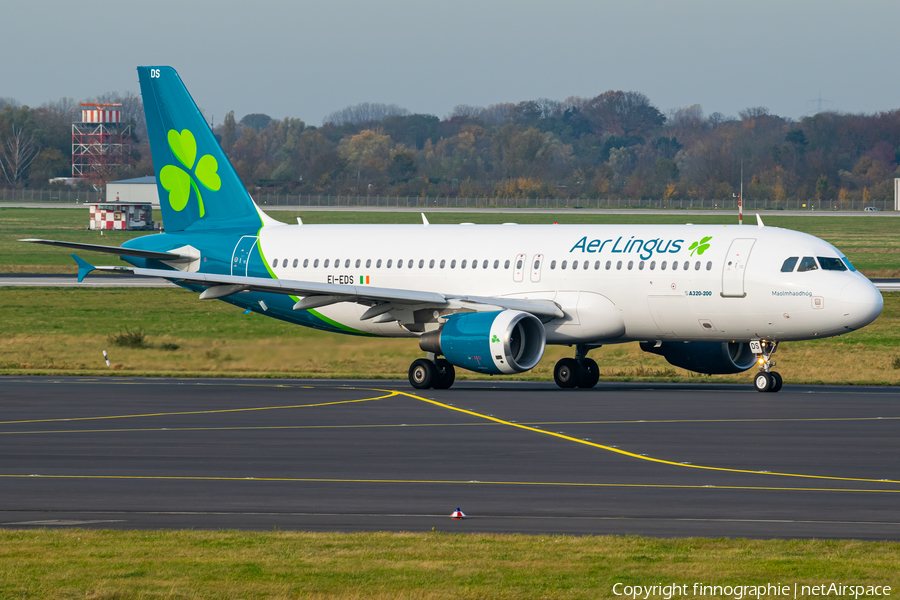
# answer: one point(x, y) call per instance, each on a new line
point(504, 342)
point(711, 358)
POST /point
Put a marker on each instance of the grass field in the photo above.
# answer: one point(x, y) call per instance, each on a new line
point(110, 565)
point(59, 330)
point(65, 330)
point(872, 243)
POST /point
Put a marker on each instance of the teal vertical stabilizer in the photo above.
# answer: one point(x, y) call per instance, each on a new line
point(198, 188)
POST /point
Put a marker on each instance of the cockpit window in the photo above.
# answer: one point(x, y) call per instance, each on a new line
point(847, 262)
point(789, 264)
point(807, 264)
point(831, 264)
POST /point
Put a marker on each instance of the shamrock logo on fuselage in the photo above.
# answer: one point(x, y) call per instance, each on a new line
point(495, 339)
point(177, 181)
point(701, 246)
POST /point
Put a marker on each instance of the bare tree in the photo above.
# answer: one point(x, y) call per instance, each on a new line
point(496, 113)
point(16, 153)
point(465, 110)
point(365, 112)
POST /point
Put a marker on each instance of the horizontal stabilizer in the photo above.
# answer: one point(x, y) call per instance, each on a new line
point(169, 256)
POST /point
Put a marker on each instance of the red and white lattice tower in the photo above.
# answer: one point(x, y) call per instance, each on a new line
point(101, 143)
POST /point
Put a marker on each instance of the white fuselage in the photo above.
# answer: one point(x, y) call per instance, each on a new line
point(624, 288)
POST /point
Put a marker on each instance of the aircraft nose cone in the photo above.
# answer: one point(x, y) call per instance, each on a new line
point(861, 302)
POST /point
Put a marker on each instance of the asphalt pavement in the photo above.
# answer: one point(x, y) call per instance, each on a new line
point(527, 457)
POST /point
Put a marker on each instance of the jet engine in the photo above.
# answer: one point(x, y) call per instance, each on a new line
point(711, 358)
point(503, 342)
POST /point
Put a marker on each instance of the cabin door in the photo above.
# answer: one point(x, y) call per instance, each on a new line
point(734, 268)
point(241, 257)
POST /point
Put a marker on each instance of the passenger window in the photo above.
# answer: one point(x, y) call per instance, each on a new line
point(574, 264)
point(641, 266)
point(475, 264)
point(327, 260)
point(358, 262)
point(316, 264)
point(808, 263)
point(484, 265)
point(431, 264)
point(443, 262)
point(368, 263)
point(687, 265)
point(697, 266)
point(400, 264)
point(552, 265)
point(789, 264)
point(662, 266)
point(421, 263)
point(409, 265)
point(389, 263)
point(462, 265)
point(305, 262)
point(619, 266)
point(652, 265)
point(674, 265)
point(597, 266)
point(453, 264)
point(378, 264)
point(284, 263)
point(709, 266)
point(496, 264)
point(275, 263)
point(563, 265)
point(295, 263)
point(347, 264)
point(608, 265)
point(506, 264)
point(630, 264)
point(537, 265)
point(831, 264)
point(518, 264)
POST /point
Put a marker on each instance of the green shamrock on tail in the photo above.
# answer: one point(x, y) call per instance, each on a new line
point(179, 182)
point(700, 246)
point(495, 339)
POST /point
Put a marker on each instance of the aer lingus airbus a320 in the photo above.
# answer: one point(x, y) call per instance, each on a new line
point(488, 298)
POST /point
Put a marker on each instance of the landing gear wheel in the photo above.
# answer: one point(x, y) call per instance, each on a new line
point(422, 374)
point(763, 382)
point(776, 381)
point(446, 374)
point(590, 373)
point(567, 373)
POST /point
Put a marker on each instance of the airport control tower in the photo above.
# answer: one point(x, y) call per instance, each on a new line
point(101, 143)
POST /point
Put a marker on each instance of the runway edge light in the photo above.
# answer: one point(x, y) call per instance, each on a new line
point(457, 514)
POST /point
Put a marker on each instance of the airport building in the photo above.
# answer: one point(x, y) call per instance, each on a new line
point(140, 190)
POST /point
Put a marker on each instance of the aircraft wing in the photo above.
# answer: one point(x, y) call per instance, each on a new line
point(317, 294)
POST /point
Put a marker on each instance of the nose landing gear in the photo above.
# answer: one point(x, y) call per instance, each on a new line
point(766, 380)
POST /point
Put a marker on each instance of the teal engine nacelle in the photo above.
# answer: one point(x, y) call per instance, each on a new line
point(503, 342)
point(710, 358)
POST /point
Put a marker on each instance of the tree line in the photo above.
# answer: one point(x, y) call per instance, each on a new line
point(617, 144)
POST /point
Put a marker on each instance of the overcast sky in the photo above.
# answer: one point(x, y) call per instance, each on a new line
point(306, 59)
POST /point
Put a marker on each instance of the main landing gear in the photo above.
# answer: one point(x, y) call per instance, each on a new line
point(580, 371)
point(437, 373)
point(766, 380)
